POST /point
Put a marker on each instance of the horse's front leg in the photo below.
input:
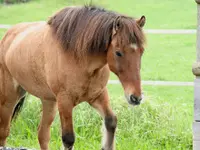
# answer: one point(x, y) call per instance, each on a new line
point(65, 107)
point(110, 120)
point(48, 115)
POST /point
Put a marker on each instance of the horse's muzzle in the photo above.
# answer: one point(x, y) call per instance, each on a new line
point(133, 100)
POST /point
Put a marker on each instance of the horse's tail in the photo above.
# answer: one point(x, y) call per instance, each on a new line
point(18, 107)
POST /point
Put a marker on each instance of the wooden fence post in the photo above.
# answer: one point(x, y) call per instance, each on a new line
point(196, 72)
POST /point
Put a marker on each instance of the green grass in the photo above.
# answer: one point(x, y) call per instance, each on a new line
point(2, 32)
point(33, 11)
point(160, 14)
point(163, 121)
point(169, 57)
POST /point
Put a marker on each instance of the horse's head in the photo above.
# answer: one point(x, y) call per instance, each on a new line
point(124, 55)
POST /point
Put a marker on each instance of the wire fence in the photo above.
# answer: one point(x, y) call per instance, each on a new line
point(149, 31)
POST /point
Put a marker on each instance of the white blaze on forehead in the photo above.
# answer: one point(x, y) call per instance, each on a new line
point(134, 46)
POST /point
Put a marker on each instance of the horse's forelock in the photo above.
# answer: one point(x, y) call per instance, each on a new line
point(130, 32)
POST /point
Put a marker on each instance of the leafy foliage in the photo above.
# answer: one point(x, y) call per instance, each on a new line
point(13, 1)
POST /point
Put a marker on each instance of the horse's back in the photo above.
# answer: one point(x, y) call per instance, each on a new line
point(15, 30)
point(11, 35)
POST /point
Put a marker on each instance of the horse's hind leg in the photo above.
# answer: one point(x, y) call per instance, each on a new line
point(48, 114)
point(5, 115)
point(110, 121)
point(9, 93)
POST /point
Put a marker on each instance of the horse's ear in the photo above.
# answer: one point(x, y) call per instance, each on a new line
point(116, 25)
point(141, 22)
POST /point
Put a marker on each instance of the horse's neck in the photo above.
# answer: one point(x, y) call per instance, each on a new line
point(85, 63)
point(96, 63)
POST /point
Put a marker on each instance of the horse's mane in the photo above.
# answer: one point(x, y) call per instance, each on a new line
point(89, 29)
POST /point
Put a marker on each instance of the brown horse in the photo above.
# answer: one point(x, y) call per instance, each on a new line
point(66, 61)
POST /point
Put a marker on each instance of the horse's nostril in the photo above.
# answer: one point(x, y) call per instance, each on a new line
point(135, 99)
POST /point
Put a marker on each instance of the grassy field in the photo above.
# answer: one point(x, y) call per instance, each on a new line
point(164, 120)
point(160, 14)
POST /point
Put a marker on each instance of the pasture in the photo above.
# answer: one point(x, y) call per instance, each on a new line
point(164, 120)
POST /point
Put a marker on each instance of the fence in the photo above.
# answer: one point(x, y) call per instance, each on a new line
point(148, 31)
point(196, 72)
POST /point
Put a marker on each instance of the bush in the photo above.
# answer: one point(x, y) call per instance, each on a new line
point(13, 1)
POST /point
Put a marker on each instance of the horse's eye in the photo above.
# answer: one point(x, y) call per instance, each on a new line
point(118, 53)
